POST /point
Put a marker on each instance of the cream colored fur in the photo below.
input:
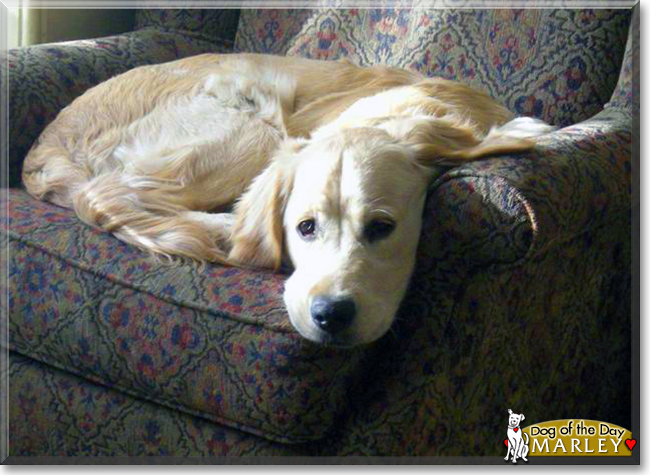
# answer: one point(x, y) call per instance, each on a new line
point(152, 155)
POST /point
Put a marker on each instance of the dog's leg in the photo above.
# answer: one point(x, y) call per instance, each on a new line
point(219, 224)
point(524, 448)
point(151, 214)
point(509, 448)
point(515, 450)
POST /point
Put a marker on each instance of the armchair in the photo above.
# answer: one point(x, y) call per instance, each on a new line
point(521, 296)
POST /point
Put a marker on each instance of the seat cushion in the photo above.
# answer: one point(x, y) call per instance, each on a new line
point(559, 65)
point(213, 341)
point(53, 413)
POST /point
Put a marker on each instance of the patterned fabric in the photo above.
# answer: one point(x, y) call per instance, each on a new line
point(213, 25)
point(627, 93)
point(559, 65)
point(45, 78)
point(210, 341)
point(505, 209)
point(57, 414)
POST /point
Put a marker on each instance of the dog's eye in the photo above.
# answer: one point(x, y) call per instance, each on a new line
point(307, 227)
point(378, 229)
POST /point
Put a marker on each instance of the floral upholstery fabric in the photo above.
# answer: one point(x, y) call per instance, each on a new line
point(214, 25)
point(627, 93)
point(559, 65)
point(75, 417)
point(521, 297)
point(505, 209)
point(210, 341)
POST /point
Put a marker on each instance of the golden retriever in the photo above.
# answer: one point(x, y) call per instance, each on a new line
point(327, 163)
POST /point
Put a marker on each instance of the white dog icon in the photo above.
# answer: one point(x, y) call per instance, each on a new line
point(516, 445)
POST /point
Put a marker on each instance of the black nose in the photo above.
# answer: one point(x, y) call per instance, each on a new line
point(333, 314)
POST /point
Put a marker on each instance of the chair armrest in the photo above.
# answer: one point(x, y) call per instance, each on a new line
point(509, 209)
point(43, 79)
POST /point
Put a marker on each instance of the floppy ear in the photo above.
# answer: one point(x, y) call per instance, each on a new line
point(257, 235)
point(522, 417)
point(431, 154)
point(445, 141)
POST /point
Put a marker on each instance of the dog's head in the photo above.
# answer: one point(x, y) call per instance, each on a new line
point(346, 207)
point(514, 419)
point(352, 226)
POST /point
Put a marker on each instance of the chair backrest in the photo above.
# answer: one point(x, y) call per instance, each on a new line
point(214, 25)
point(559, 65)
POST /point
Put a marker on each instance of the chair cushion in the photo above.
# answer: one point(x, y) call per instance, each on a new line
point(53, 413)
point(212, 341)
point(559, 65)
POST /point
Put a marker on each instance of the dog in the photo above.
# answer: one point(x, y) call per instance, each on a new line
point(516, 445)
point(327, 164)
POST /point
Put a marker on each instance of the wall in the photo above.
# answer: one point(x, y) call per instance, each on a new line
point(53, 25)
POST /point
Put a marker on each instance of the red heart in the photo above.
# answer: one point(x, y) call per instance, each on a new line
point(516, 429)
point(506, 442)
point(630, 443)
